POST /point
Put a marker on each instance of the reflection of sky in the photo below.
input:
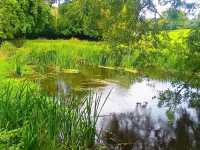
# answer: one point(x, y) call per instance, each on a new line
point(125, 100)
point(122, 100)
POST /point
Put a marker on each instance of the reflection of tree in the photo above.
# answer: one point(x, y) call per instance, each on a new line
point(180, 93)
point(138, 131)
point(187, 130)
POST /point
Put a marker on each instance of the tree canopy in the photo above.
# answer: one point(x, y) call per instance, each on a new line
point(122, 21)
point(23, 18)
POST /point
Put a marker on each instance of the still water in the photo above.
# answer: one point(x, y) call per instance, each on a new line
point(147, 109)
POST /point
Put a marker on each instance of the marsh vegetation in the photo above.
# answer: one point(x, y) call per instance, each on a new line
point(98, 74)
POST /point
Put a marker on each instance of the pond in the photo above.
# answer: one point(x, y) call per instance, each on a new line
point(146, 109)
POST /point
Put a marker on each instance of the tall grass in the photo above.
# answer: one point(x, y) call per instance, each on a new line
point(65, 53)
point(30, 119)
point(170, 54)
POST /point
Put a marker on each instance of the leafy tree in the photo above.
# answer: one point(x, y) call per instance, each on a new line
point(36, 16)
point(175, 19)
point(80, 18)
point(9, 21)
point(23, 18)
point(70, 21)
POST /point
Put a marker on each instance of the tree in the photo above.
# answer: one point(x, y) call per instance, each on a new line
point(175, 19)
point(35, 16)
point(23, 18)
point(70, 21)
point(9, 21)
point(125, 22)
point(81, 18)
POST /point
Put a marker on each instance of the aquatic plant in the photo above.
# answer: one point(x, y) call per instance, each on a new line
point(30, 119)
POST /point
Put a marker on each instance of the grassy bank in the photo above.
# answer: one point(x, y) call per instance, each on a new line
point(171, 54)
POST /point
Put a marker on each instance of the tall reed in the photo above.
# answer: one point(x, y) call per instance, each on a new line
point(30, 119)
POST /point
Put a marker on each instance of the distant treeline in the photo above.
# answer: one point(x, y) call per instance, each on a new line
point(119, 20)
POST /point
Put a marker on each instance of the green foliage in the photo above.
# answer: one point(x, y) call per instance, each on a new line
point(80, 18)
point(30, 119)
point(194, 41)
point(118, 22)
point(171, 54)
point(9, 22)
point(122, 22)
point(10, 139)
point(174, 19)
point(70, 20)
point(194, 47)
point(23, 18)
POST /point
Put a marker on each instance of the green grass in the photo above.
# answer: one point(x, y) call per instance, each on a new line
point(170, 54)
point(66, 53)
point(30, 119)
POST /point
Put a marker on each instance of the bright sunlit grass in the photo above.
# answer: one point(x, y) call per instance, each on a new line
point(72, 53)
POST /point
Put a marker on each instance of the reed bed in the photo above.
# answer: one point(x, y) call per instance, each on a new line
point(170, 54)
point(30, 119)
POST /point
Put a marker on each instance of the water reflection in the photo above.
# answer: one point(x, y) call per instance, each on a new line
point(86, 78)
point(138, 130)
point(140, 92)
point(144, 111)
point(169, 121)
point(180, 93)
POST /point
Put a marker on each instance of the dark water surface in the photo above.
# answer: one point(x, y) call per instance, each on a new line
point(148, 109)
